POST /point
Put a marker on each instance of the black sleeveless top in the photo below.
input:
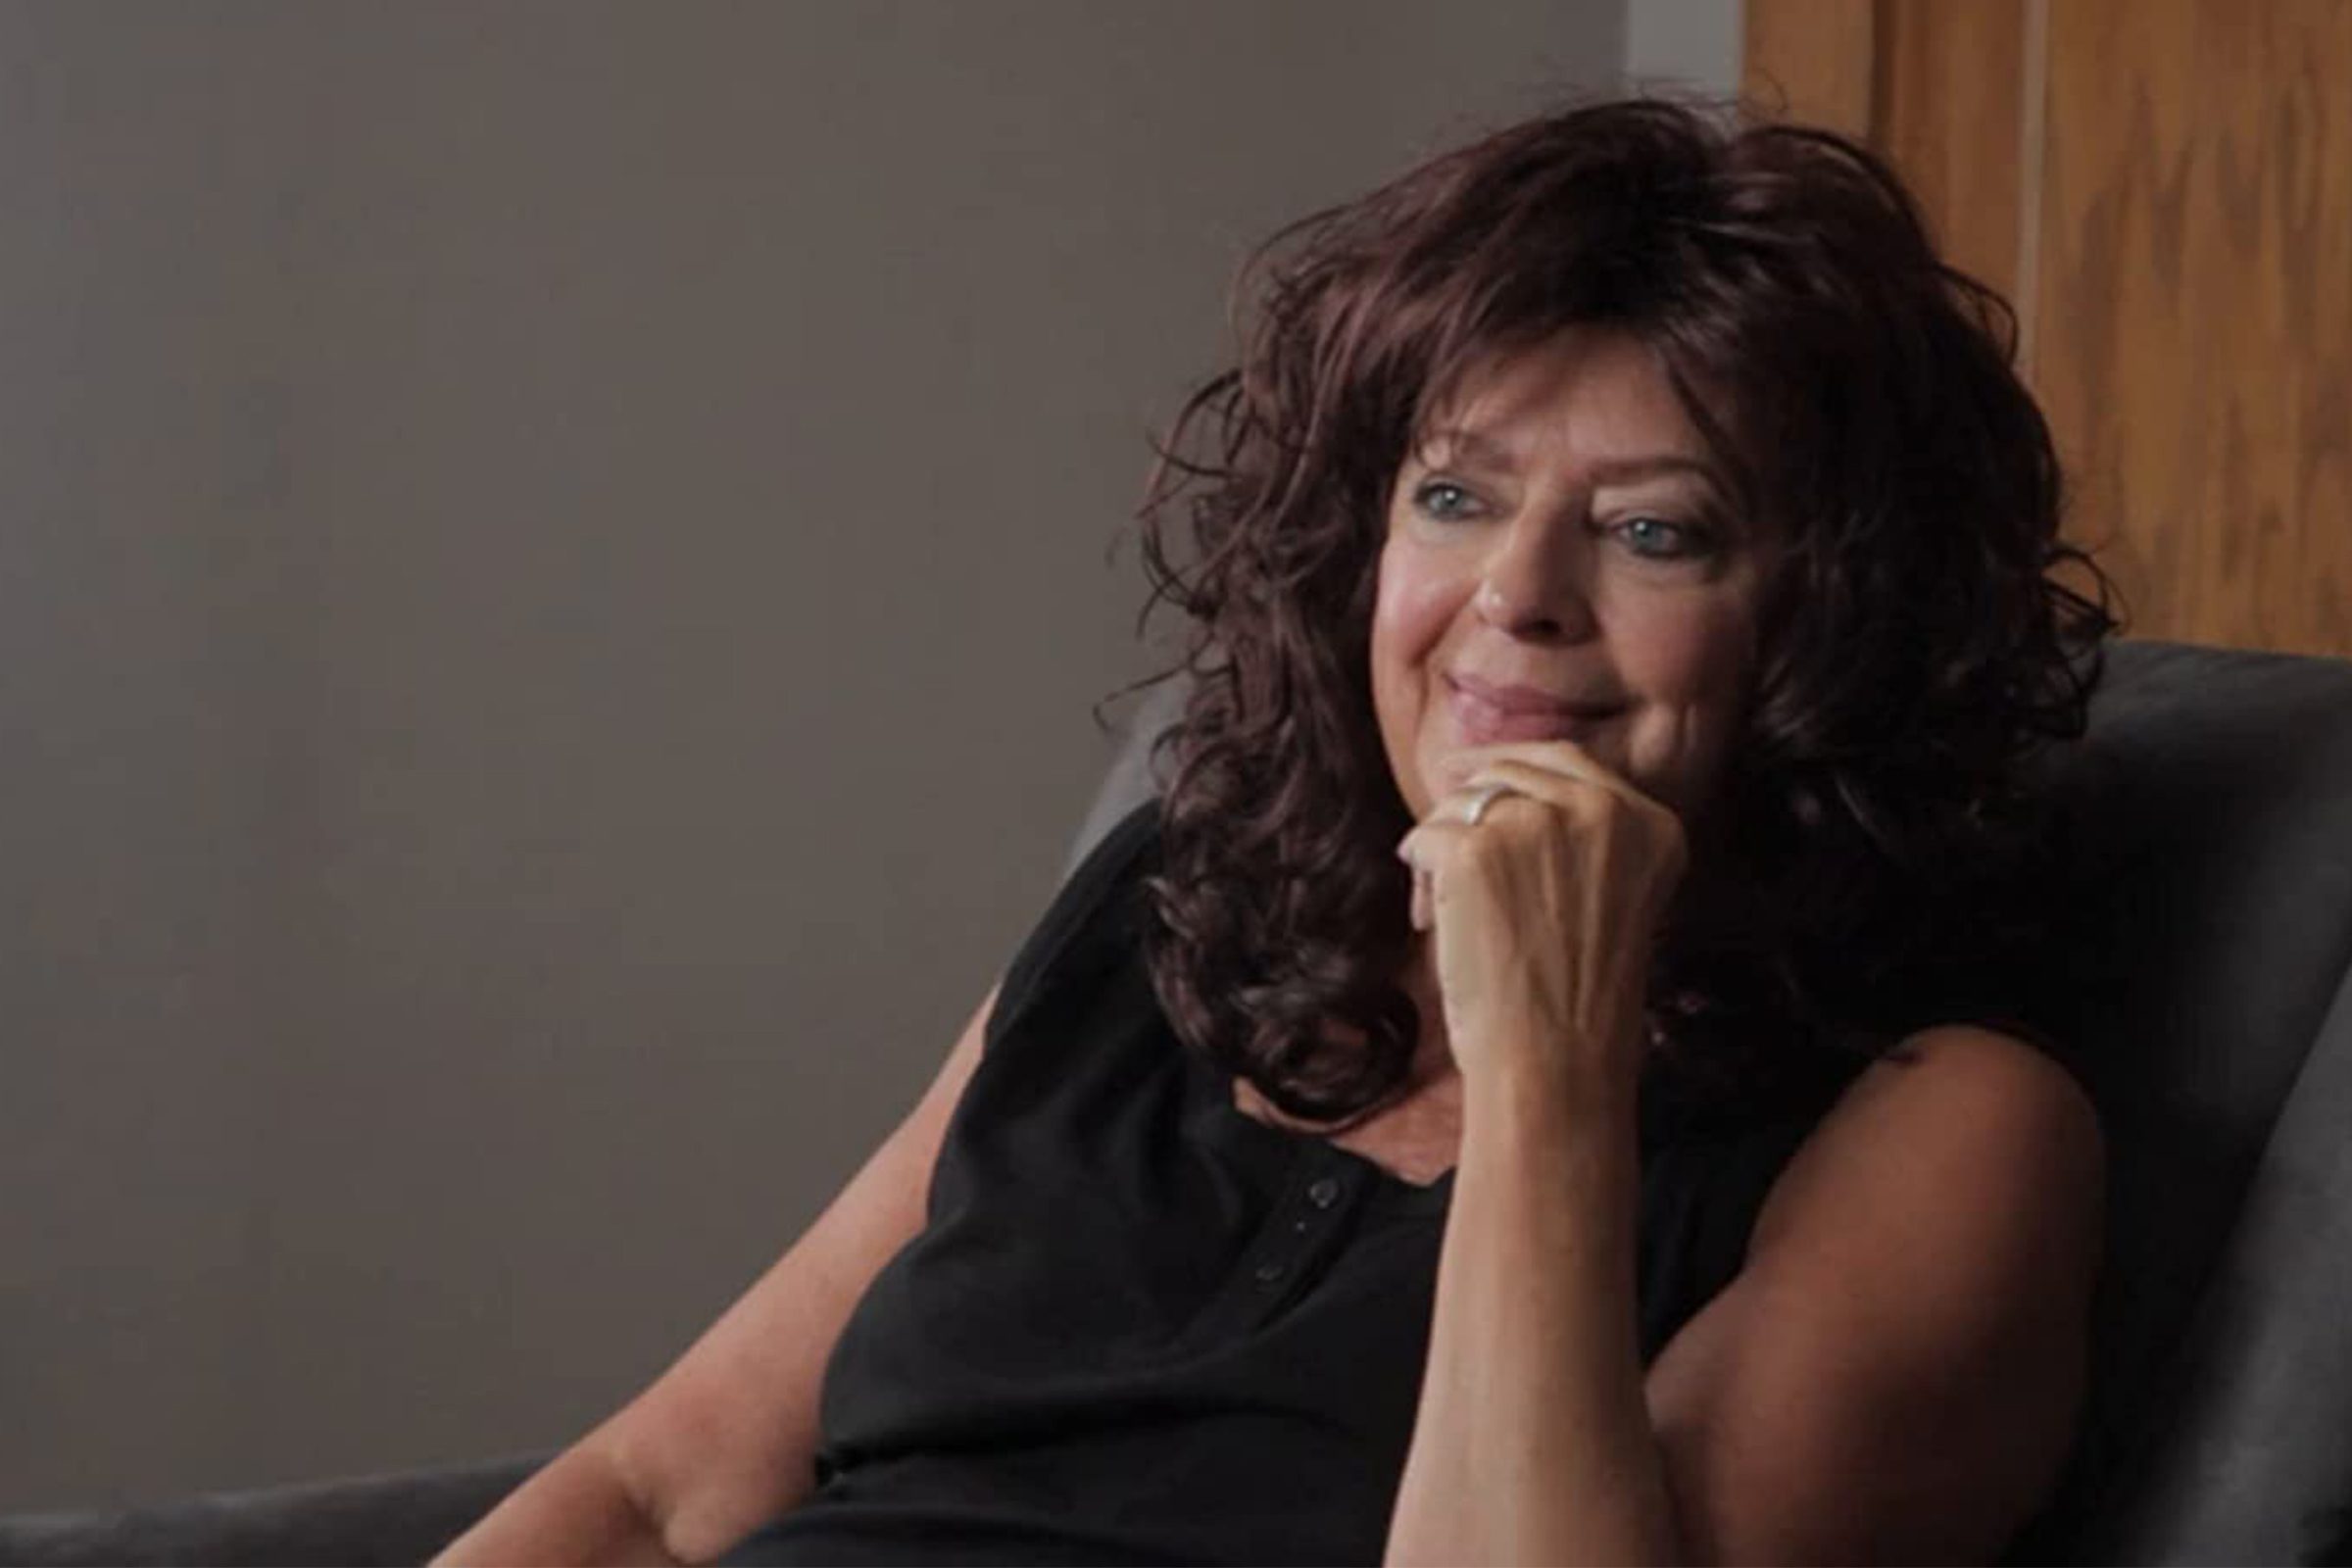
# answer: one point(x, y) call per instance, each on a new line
point(1140, 1326)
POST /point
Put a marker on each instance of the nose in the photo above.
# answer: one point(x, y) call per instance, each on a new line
point(1533, 584)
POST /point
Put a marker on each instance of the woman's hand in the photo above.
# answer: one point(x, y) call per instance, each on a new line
point(1543, 913)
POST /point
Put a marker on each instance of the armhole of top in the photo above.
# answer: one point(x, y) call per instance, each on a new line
point(1071, 919)
point(1714, 1189)
point(1754, 1162)
point(1744, 1175)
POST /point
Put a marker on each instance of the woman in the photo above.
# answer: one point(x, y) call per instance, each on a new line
point(1517, 1097)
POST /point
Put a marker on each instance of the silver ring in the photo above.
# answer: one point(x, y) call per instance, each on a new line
point(1488, 795)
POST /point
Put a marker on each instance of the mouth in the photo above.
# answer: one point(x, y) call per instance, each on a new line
point(1484, 717)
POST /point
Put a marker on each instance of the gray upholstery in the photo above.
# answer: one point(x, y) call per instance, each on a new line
point(2258, 1461)
point(2200, 986)
point(391, 1519)
point(2202, 982)
point(1131, 779)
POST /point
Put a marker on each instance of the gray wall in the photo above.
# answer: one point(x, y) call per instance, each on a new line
point(553, 567)
point(1692, 44)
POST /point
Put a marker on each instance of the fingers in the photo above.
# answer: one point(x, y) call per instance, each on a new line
point(1564, 758)
point(1421, 856)
point(1550, 770)
point(1551, 774)
point(1428, 851)
point(1434, 841)
point(1559, 782)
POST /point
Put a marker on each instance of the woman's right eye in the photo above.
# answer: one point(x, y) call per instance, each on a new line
point(1443, 499)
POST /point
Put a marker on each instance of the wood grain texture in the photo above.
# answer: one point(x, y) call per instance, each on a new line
point(1811, 61)
point(2194, 349)
point(1946, 109)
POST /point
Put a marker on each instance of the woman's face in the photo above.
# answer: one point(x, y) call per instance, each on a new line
point(1562, 538)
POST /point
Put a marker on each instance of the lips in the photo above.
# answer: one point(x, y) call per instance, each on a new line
point(1486, 714)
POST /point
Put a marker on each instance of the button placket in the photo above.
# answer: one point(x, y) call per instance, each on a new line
point(1313, 1209)
point(1295, 1241)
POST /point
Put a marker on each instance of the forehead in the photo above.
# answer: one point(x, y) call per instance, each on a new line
point(1584, 394)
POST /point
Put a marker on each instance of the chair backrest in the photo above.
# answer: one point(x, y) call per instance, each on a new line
point(2201, 981)
point(2202, 986)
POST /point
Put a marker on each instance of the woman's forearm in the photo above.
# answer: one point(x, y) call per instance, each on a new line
point(575, 1510)
point(1532, 1442)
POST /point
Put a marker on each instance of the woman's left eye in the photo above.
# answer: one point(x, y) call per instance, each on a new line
point(1657, 539)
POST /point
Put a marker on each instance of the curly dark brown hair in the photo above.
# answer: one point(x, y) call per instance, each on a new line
point(1918, 646)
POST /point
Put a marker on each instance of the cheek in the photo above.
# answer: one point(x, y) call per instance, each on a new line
point(1417, 598)
point(1692, 671)
point(1693, 660)
point(1678, 644)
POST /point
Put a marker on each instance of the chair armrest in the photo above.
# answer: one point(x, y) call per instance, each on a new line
point(401, 1517)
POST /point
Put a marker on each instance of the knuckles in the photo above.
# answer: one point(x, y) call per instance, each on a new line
point(1572, 825)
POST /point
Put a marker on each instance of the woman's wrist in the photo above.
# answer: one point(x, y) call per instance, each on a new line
point(1538, 1084)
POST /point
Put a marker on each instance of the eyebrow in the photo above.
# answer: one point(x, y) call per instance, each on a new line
point(1476, 447)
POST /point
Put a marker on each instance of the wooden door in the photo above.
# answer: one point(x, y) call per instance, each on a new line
point(2163, 190)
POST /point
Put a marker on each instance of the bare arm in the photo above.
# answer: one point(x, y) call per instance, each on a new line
point(1532, 1442)
point(1894, 1377)
point(725, 1440)
point(1896, 1374)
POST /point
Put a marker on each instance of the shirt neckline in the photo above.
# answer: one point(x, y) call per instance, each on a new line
point(1277, 1148)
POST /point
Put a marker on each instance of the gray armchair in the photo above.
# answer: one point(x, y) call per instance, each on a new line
point(2204, 986)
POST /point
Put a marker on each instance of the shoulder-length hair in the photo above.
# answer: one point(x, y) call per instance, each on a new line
point(1916, 649)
